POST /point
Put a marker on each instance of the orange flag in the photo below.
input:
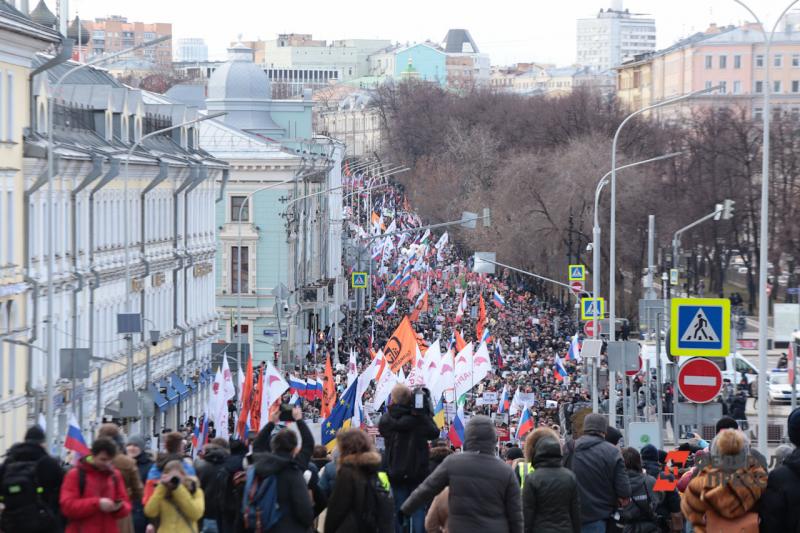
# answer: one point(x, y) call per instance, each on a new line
point(328, 390)
point(423, 307)
point(481, 318)
point(255, 411)
point(402, 346)
point(460, 343)
point(246, 399)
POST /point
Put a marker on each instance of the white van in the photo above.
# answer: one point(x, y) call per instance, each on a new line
point(733, 366)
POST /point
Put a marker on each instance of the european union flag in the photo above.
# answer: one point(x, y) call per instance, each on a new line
point(341, 414)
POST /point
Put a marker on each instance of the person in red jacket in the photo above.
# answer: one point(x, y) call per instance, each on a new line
point(93, 495)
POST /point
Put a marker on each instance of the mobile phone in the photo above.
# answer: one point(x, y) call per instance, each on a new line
point(286, 413)
point(419, 400)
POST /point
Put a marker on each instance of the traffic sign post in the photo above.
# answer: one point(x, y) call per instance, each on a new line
point(700, 327)
point(631, 373)
point(576, 286)
point(358, 280)
point(588, 328)
point(576, 273)
point(699, 380)
point(592, 308)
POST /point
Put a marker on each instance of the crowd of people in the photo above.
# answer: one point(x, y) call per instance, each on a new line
point(514, 449)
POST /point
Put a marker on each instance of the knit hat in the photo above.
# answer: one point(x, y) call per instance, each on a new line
point(793, 427)
point(136, 440)
point(35, 434)
point(649, 453)
point(595, 423)
point(514, 453)
point(726, 422)
point(613, 435)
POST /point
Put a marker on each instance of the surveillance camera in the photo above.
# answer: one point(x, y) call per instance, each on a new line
point(589, 247)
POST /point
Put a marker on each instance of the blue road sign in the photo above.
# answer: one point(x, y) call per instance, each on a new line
point(359, 280)
point(793, 290)
point(576, 273)
point(702, 327)
point(592, 308)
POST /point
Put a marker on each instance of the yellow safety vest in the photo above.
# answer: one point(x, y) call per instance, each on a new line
point(523, 469)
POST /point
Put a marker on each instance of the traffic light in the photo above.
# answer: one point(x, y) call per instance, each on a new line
point(727, 209)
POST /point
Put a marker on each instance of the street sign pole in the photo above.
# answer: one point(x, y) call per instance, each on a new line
point(659, 396)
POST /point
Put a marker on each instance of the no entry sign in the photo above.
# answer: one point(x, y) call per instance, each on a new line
point(632, 373)
point(576, 286)
point(588, 328)
point(700, 380)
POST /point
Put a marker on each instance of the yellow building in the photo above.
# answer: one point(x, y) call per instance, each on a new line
point(20, 40)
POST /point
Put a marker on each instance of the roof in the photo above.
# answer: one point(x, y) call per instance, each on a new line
point(191, 94)
point(459, 42)
point(14, 20)
point(84, 76)
point(683, 43)
point(41, 14)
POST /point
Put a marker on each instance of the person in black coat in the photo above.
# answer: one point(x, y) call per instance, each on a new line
point(550, 494)
point(406, 432)
point(288, 461)
point(136, 451)
point(355, 505)
point(49, 474)
point(639, 515)
point(213, 478)
point(669, 510)
point(780, 503)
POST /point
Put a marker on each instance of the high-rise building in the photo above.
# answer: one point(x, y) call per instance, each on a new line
point(115, 33)
point(191, 49)
point(603, 42)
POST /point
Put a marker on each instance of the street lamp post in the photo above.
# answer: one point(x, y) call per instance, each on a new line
point(612, 252)
point(51, 223)
point(763, 256)
point(596, 259)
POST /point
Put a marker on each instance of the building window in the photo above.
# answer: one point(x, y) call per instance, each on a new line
point(777, 60)
point(245, 270)
point(737, 87)
point(236, 208)
point(758, 113)
point(723, 61)
point(795, 86)
point(759, 88)
point(723, 87)
point(759, 61)
point(776, 87)
point(708, 85)
point(709, 61)
point(10, 227)
point(737, 61)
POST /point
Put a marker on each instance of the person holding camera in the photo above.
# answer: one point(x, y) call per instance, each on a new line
point(406, 427)
point(177, 503)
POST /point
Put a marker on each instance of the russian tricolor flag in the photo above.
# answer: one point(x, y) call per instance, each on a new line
point(318, 390)
point(381, 305)
point(574, 352)
point(393, 309)
point(498, 300)
point(311, 389)
point(456, 431)
point(505, 403)
point(560, 372)
point(406, 279)
point(498, 352)
point(74, 440)
point(525, 424)
point(486, 337)
point(297, 386)
point(396, 280)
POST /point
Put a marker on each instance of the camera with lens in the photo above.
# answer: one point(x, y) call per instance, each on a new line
point(422, 401)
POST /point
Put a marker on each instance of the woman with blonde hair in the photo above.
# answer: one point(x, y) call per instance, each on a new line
point(177, 503)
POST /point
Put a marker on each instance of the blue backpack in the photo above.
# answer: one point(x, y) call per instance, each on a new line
point(260, 506)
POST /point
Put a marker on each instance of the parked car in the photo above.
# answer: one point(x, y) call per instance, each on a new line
point(778, 389)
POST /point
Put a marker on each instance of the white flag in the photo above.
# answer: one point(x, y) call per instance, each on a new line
point(384, 387)
point(219, 406)
point(463, 371)
point(433, 371)
point(352, 368)
point(274, 387)
point(228, 389)
point(481, 363)
point(417, 376)
point(364, 381)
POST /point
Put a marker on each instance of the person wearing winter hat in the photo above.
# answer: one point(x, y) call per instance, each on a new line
point(136, 450)
point(127, 468)
point(668, 510)
point(779, 509)
point(599, 469)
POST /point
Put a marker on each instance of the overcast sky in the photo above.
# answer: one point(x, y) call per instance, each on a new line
point(508, 30)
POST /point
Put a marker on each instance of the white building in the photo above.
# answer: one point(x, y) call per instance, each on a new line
point(604, 41)
point(136, 240)
point(191, 49)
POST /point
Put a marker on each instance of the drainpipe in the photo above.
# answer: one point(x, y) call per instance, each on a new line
point(225, 175)
point(112, 173)
point(193, 173)
point(97, 170)
point(26, 220)
point(163, 173)
point(64, 54)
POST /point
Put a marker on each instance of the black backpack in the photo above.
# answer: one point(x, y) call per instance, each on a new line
point(377, 513)
point(25, 509)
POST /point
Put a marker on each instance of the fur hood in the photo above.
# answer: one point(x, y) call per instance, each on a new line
point(438, 454)
point(369, 461)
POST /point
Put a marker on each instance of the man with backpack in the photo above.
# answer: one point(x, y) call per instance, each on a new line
point(640, 515)
point(93, 495)
point(276, 495)
point(30, 481)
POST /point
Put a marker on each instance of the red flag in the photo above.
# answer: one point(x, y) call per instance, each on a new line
point(328, 390)
point(246, 399)
point(460, 343)
point(481, 318)
point(255, 411)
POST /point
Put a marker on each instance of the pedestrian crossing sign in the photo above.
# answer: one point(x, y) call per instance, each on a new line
point(592, 308)
point(577, 273)
point(359, 280)
point(701, 327)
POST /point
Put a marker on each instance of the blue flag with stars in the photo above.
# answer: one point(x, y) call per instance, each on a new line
point(340, 415)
